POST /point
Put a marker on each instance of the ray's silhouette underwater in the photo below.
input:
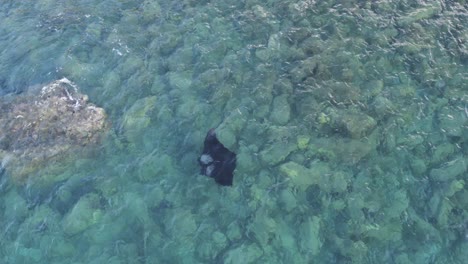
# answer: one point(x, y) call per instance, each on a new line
point(216, 160)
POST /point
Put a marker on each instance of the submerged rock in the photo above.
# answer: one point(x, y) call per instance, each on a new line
point(84, 214)
point(45, 126)
point(450, 170)
point(309, 241)
point(300, 176)
point(138, 118)
point(245, 253)
point(354, 123)
point(453, 122)
point(281, 111)
point(280, 144)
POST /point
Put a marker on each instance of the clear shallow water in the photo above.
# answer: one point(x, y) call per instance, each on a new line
point(349, 121)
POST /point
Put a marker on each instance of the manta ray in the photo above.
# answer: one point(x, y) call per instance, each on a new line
point(216, 160)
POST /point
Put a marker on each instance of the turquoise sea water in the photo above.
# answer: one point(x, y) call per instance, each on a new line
point(349, 120)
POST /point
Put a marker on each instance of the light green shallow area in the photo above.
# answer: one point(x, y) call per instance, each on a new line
point(349, 120)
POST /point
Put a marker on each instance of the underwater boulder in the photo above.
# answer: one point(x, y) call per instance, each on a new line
point(45, 126)
point(352, 122)
point(137, 118)
point(83, 215)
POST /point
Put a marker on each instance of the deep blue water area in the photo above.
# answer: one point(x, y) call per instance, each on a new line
point(349, 120)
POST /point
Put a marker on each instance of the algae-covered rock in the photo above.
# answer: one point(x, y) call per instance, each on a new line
point(180, 80)
point(136, 209)
point(280, 144)
point(444, 214)
point(303, 141)
point(45, 126)
point(277, 152)
point(245, 253)
point(288, 200)
point(15, 207)
point(219, 239)
point(234, 231)
point(272, 50)
point(418, 166)
point(181, 223)
point(442, 152)
point(228, 131)
point(281, 111)
point(454, 187)
point(449, 170)
point(461, 252)
point(383, 107)
point(263, 228)
point(424, 12)
point(83, 215)
point(151, 11)
point(43, 218)
point(27, 255)
point(373, 87)
point(309, 236)
point(356, 250)
point(131, 65)
point(332, 182)
point(306, 68)
point(58, 247)
point(342, 150)
point(453, 122)
point(399, 203)
point(355, 123)
point(298, 175)
point(227, 137)
point(410, 140)
point(245, 160)
point(138, 117)
point(339, 92)
point(212, 246)
point(385, 232)
point(155, 166)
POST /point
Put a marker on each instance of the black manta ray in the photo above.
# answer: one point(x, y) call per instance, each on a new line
point(216, 160)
